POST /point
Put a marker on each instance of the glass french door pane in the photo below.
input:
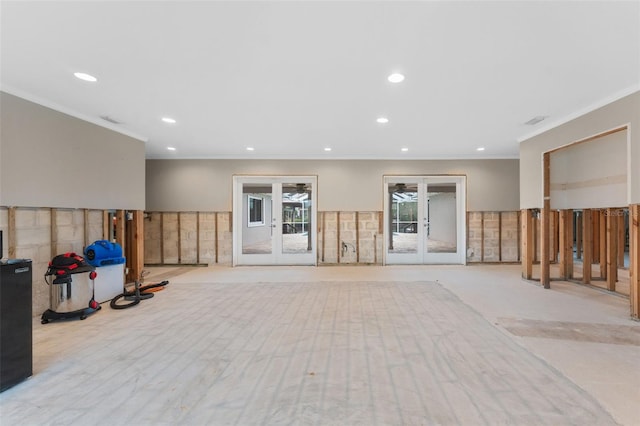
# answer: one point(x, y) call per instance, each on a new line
point(257, 218)
point(403, 217)
point(441, 218)
point(296, 218)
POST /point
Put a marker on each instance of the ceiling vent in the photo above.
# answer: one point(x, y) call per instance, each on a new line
point(110, 120)
point(535, 120)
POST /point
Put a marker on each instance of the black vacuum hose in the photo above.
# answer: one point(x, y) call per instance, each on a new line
point(138, 295)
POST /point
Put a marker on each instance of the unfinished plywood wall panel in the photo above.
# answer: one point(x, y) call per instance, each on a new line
point(474, 236)
point(367, 237)
point(347, 241)
point(492, 237)
point(153, 238)
point(32, 241)
point(329, 237)
point(225, 238)
point(93, 227)
point(189, 238)
point(170, 238)
point(70, 230)
point(349, 238)
point(509, 236)
point(207, 232)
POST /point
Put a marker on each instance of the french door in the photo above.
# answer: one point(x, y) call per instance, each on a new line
point(425, 219)
point(274, 220)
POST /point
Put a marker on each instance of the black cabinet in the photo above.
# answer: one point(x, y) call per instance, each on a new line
point(16, 334)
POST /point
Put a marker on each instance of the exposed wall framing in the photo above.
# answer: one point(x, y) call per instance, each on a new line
point(187, 238)
point(634, 257)
point(493, 237)
point(40, 234)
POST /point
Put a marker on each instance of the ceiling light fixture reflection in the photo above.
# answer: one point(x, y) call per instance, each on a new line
point(382, 120)
point(250, 148)
point(404, 149)
point(170, 148)
point(395, 78)
point(327, 149)
point(169, 120)
point(480, 148)
point(85, 77)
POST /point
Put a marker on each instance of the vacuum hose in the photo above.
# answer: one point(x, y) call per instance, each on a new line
point(134, 297)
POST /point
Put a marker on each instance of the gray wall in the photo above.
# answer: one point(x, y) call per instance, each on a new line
point(343, 185)
point(50, 159)
point(621, 112)
point(591, 174)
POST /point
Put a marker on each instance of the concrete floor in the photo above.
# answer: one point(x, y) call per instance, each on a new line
point(367, 345)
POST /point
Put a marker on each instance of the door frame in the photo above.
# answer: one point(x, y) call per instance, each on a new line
point(274, 258)
point(423, 256)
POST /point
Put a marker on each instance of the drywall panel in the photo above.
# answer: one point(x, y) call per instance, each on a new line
point(50, 159)
point(591, 174)
point(343, 185)
point(625, 111)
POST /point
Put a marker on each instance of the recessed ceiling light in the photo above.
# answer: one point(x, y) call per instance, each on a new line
point(250, 148)
point(404, 149)
point(327, 149)
point(170, 148)
point(395, 78)
point(85, 76)
point(382, 120)
point(169, 120)
point(480, 148)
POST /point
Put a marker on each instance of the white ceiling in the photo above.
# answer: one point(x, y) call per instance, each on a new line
point(291, 78)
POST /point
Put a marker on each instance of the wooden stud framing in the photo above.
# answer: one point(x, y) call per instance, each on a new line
point(324, 234)
point(587, 235)
point(499, 237)
point(535, 221)
point(556, 236)
point(338, 235)
point(161, 237)
point(526, 232)
point(197, 237)
point(603, 245)
point(12, 233)
point(612, 248)
point(578, 235)
point(105, 226)
point(86, 227)
point(54, 233)
point(481, 236)
point(136, 249)
point(215, 234)
point(566, 244)
point(621, 237)
point(120, 229)
point(467, 228)
point(634, 260)
point(179, 239)
point(357, 237)
point(518, 237)
point(544, 219)
point(595, 235)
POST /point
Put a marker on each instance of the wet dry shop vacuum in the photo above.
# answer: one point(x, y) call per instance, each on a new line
point(71, 288)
